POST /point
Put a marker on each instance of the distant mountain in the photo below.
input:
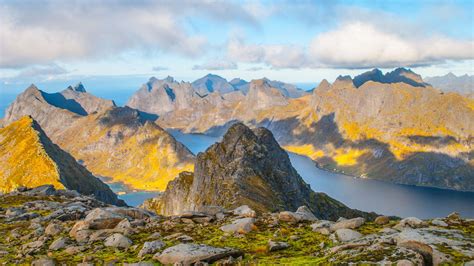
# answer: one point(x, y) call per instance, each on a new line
point(240, 85)
point(29, 158)
point(463, 84)
point(398, 75)
point(120, 144)
point(113, 142)
point(43, 107)
point(246, 167)
point(386, 130)
point(212, 83)
point(159, 96)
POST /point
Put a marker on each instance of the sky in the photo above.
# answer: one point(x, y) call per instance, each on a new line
point(56, 42)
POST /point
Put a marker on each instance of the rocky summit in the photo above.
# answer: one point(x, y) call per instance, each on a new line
point(246, 167)
point(29, 158)
point(39, 227)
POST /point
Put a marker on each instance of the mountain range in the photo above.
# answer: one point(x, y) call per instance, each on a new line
point(462, 84)
point(116, 143)
point(394, 127)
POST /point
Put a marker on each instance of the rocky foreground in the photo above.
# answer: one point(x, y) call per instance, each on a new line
point(44, 226)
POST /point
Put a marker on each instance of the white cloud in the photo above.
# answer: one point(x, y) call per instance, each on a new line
point(275, 55)
point(40, 32)
point(362, 45)
point(217, 64)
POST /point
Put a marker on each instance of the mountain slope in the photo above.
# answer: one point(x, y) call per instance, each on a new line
point(29, 158)
point(88, 102)
point(463, 84)
point(212, 83)
point(119, 144)
point(396, 76)
point(246, 167)
point(37, 104)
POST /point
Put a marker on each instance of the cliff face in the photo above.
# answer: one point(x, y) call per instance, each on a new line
point(29, 158)
point(118, 143)
point(247, 167)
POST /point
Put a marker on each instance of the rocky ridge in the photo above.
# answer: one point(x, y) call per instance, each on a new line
point(29, 158)
point(65, 227)
point(246, 167)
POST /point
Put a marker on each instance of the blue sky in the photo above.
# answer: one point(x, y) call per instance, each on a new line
point(294, 41)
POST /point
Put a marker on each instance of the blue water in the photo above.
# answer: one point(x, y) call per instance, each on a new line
point(363, 194)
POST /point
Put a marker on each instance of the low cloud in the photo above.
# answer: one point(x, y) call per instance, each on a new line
point(44, 72)
point(216, 65)
point(159, 68)
point(362, 45)
point(276, 56)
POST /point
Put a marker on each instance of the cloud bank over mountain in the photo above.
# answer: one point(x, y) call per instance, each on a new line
point(214, 35)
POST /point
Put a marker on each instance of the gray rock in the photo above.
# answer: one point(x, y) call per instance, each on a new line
point(439, 222)
point(151, 247)
point(191, 253)
point(53, 229)
point(44, 262)
point(348, 224)
point(100, 218)
point(44, 190)
point(241, 226)
point(244, 211)
point(346, 235)
point(412, 222)
point(59, 243)
point(118, 241)
point(321, 224)
point(274, 245)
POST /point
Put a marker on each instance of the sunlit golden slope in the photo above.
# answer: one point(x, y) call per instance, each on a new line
point(23, 160)
point(119, 145)
point(29, 158)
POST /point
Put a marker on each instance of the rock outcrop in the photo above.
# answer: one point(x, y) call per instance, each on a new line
point(29, 158)
point(247, 167)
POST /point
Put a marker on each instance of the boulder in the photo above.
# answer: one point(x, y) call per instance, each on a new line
point(346, 235)
point(44, 190)
point(241, 226)
point(59, 243)
point(274, 245)
point(188, 254)
point(439, 222)
point(53, 229)
point(151, 247)
point(118, 241)
point(425, 250)
point(321, 224)
point(44, 262)
point(103, 219)
point(412, 222)
point(302, 214)
point(244, 211)
point(348, 224)
point(381, 220)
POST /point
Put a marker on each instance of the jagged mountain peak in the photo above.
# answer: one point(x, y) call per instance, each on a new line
point(79, 87)
point(246, 167)
point(24, 141)
point(397, 75)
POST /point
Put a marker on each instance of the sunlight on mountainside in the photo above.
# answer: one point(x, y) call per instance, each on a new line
point(23, 158)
